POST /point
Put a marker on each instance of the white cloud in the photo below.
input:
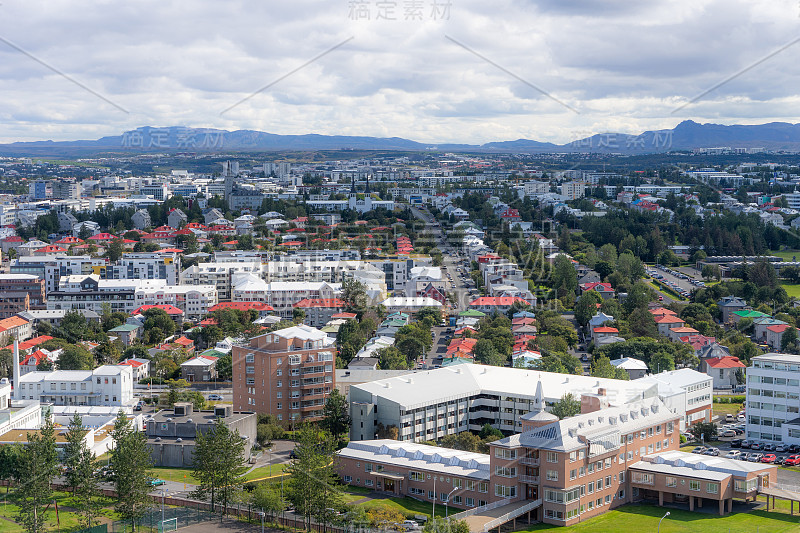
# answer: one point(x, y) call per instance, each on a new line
point(624, 65)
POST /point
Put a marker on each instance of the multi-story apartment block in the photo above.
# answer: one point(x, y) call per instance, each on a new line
point(573, 189)
point(685, 391)
point(773, 398)
point(283, 295)
point(18, 292)
point(319, 312)
point(288, 373)
point(159, 265)
point(52, 269)
point(107, 385)
point(219, 275)
point(193, 300)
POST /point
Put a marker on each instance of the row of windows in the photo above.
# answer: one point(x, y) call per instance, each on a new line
point(773, 381)
point(558, 514)
point(776, 366)
point(767, 393)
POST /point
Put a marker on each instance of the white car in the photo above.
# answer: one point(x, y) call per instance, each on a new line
point(733, 454)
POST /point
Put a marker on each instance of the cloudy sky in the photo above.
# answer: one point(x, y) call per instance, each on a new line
point(429, 70)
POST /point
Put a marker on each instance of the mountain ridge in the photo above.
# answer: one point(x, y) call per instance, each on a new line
point(687, 135)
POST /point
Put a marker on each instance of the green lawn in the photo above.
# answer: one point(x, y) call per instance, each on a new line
point(792, 289)
point(266, 471)
point(726, 409)
point(179, 475)
point(407, 506)
point(786, 255)
point(644, 518)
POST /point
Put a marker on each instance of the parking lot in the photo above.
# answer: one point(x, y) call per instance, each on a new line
point(679, 282)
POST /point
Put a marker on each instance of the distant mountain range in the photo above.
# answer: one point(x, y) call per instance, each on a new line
point(687, 135)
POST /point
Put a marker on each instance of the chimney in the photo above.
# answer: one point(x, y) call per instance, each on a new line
point(16, 370)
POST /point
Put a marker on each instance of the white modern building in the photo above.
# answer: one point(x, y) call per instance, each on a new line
point(685, 391)
point(773, 398)
point(220, 275)
point(107, 385)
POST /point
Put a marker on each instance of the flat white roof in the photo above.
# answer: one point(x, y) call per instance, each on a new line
point(419, 456)
point(411, 301)
point(699, 466)
point(438, 385)
point(780, 357)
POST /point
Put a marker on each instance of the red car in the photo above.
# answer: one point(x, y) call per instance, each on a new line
point(792, 460)
point(768, 458)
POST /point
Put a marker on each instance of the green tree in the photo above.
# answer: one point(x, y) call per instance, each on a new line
point(486, 353)
point(566, 407)
point(225, 367)
point(662, 362)
point(158, 318)
point(565, 277)
point(131, 464)
point(390, 358)
point(74, 327)
point(354, 294)
point(312, 479)
point(441, 525)
point(37, 466)
point(706, 430)
point(490, 432)
point(602, 368)
point(219, 463)
point(429, 316)
point(298, 315)
point(79, 460)
point(268, 498)
point(335, 415)
point(115, 250)
point(586, 306)
point(75, 357)
point(789, 340)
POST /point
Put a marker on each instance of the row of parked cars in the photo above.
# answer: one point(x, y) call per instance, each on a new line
point(752, 457)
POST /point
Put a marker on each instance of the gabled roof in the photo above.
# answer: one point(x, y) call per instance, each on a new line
point(497, 301)
point(169, 309)
point(724, 362)
point(606, 329)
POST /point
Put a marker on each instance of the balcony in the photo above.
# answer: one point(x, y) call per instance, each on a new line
point(529, 479)
point(532, 461)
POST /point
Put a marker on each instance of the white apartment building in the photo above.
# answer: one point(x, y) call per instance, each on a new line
point(159, 265)
point(687, 392)
point(193, 300)
point(533, 188)
point(573, 189)
point(283, 295)
point(773, 398)
point(107, 385)
point(219, 275)
point(51, 269)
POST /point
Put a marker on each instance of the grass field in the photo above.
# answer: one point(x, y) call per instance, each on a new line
point(174, 474)
point(641, 518)
point(264, 471)
point(786, 255)
point(726, 408)
point(792, 289)
point(407, 506)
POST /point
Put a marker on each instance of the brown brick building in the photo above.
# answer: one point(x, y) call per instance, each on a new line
point(288, 373)
point(20, 292)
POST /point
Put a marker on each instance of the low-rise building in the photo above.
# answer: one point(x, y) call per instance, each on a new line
point(107, 385)
point(172, 434)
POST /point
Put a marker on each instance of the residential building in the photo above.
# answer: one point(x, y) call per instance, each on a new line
point(219, 274)
point(14, 327)
point(107, 385)
point(287, 373)
point(16, 286)
point(773, 398)
point(685, 391)
point(636, 368)
point(319, 311)
point(164, 265)
point(199, 369)
point(724, 371)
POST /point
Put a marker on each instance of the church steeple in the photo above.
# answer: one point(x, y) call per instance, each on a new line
point(366, 191)
point(353, 186)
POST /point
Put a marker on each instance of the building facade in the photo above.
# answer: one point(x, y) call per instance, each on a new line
point(288, 373)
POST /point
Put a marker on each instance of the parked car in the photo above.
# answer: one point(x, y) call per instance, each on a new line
point(781, 448)
point(733, 454)
point(755, 457)
point(712, 451)
point(215, 397)
point(756, 446)
point(792, 460)
point(155, 482)
point(728, 434)
point(768, 458)
point(769, 447)
point(736, 443)
point(699, 449)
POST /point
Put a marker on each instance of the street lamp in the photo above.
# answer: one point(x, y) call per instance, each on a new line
point(662, 518)
point(163, 495)
point(448, 501)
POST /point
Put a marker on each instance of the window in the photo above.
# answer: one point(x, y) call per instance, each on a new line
point(458, 483)
point(294, 359)
point(347, 479)
point(368, 482)
point(505, 471)
point(712, 488)
point(457, 499)
point(694, 485)
point(470, 485)
point(552, 457)
point(582, 471)
point(608, 481)
point(279, 372)
point(505, 491)
point(470, 502)
point(590, 488)
point(552, 475)
point(572, 456)
point(431, 495)
point(503, 453)
point(573, 474)
point(600, 484)
point(483, 487)
point(416, 476)
point(367, 467)
point(622, 477)
point(671, 481)
point(639, 477)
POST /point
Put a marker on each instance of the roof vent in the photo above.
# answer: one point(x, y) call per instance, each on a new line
point(612, 420)
point(573, 432)
point(387, 385)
